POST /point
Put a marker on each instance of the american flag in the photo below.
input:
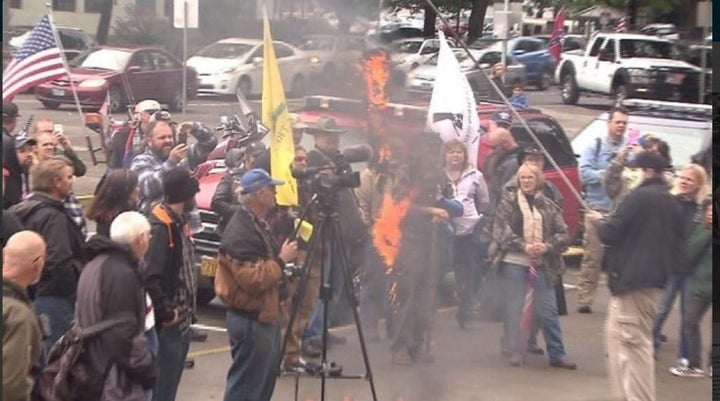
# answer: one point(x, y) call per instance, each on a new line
point(38, 60)
point(621, 25)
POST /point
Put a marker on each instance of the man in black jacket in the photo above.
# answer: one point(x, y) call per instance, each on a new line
point(171, 278)
point(19, 156)
point(111, 284)
point(44, 213)
point(644, 238)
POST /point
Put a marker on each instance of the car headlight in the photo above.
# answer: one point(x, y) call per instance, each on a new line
point(228, 70)
point(314, 60)
point(639, 75)
point(92, 83)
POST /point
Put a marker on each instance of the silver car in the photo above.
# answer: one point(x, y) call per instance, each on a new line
point(335, 54)
point(422, 78)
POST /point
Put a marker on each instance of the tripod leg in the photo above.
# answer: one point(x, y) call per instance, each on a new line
point(299, 296)
point(351, 299)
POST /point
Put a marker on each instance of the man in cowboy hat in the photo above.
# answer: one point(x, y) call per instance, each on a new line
point(326, 134)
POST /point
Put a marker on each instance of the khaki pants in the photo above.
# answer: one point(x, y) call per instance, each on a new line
point(629, 344)
point(307, 304)
point(591, 265)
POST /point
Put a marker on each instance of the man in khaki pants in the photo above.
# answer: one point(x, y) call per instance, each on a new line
point(644, 238)
point(594, 160)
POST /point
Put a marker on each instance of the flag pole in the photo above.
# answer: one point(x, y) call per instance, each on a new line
point(517, 115)
point(65, 63)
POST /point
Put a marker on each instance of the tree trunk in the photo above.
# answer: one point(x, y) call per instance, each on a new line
point(103, 29)
point(476, 23)
point(429, 22)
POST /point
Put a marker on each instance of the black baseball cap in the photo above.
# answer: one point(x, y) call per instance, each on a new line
point(10, 110)
point(649, 160)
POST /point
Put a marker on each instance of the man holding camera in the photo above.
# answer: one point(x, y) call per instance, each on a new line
point(327, 153)
point(594, 161)
point(248, 280)
point(163, 154)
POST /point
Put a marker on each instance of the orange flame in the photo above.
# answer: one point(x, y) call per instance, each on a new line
point(376, 72)
point(386, 231)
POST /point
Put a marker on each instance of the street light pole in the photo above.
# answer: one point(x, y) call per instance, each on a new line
point(506, 11)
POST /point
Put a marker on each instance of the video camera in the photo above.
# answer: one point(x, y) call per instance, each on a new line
point(329, 178)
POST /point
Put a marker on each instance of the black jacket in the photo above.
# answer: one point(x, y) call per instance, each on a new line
point(242, 240)
point(10, 225)
point(106, 288)
point(644, 238)
point(13, 182)
point(689, 214)
point(65, 244)
point(164, 260)
point(224, 201)
point(118, 157)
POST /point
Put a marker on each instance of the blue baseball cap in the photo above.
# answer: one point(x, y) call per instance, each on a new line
point(256, 179)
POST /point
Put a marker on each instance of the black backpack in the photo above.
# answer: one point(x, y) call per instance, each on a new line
point(67, 376)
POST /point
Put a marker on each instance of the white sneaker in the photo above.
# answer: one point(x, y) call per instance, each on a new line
point(683, 362)
point(687, 371)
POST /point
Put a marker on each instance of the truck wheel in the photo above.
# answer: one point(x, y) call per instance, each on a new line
point(619, 93)
point(204, 296)
point(545, 80)
point(570, 92)
point(50, 105)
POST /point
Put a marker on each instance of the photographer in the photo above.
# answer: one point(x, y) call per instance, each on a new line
point(326, 153)
point(248, 282)
point(163, 155)
point(224, 202)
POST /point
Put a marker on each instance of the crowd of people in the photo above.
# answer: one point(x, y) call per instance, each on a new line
point(416, 213)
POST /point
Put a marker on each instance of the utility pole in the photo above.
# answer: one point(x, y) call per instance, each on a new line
point(631, 13)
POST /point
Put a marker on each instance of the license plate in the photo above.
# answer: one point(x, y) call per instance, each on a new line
point(208, 267)
point(58, 92)
point(675, 78)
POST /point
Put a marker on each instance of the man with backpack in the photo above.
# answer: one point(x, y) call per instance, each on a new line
point(44, 213)
point(594, 161)
point(23, 261)
point(111, 284)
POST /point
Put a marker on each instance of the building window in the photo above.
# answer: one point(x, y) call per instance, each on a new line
point(63, 5)
point(15, 3)
point(94, 6)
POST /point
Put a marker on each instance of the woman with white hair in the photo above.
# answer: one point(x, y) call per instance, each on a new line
point(111, 285)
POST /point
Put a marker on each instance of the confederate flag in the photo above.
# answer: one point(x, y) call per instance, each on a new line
point(558, 33)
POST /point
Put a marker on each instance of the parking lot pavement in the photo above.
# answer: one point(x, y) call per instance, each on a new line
point(468, 365)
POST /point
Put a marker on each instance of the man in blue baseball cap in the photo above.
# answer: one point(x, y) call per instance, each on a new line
point(248, 279)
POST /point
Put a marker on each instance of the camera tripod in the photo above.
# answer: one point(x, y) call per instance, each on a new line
point(327, 242)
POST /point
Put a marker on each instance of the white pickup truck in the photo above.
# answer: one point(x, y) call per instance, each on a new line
point(624, 65)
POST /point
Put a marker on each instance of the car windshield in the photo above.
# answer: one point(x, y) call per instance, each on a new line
point(630, 48)
point(407, 47)
point(685, 138)
point(318, 44)
point(225, 50)
point(104, 59)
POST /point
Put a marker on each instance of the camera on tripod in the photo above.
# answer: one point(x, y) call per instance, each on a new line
point(331, 177)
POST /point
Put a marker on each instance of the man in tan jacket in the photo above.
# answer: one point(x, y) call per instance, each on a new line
point(23, 261)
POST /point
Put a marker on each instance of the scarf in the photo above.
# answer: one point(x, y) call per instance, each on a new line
point(532, 220)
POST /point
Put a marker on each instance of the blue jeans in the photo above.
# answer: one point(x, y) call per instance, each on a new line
point(373, 294)
point(514, 278)
point(59, 313)
point(332, 271)
point(677, 284)
point(172, 351)
point(255, 350)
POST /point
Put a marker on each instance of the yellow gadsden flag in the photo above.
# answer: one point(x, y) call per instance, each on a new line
point(276, 117)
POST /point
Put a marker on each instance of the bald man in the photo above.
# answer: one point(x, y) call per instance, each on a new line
point(23, 261)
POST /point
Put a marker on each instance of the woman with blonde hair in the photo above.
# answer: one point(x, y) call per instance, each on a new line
point(469, 188)
point(690, 189)
point(528, 239)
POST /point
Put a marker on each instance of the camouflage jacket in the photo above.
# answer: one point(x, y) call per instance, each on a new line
point(507, 233)
point(619, 180)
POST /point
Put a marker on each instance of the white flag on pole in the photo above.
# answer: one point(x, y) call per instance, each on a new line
point(453, 110)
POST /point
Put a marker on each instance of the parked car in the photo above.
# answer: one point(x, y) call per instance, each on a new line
point(422, 78)
point(335, 54)
point(73, 40)
point(665, 31)
point(123, 75)
point(234, 65)
point(684, 126)
point(624, 65)
point(533, 54)
point(569, 42)
point(397, 31)
point(408, 54)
